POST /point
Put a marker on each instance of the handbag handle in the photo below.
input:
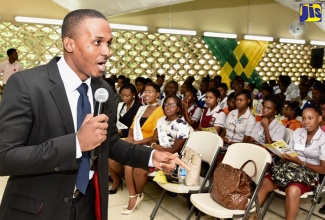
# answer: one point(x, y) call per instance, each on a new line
point(248, 161)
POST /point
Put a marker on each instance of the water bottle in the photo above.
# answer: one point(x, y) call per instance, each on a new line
point(181, 176)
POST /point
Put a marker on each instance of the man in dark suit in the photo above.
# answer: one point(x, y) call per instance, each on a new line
point(40, 145)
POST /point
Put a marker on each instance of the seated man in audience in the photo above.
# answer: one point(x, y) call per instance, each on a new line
point(291, 89)
point(318, 94)
point(291, 112)
point(304, 97)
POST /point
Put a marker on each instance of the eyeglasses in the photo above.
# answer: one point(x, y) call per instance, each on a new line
point(170, 105)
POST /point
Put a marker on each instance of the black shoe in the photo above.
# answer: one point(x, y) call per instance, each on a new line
point(113, 191)
point(322, 210)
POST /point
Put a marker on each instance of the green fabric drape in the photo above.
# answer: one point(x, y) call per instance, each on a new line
point(237, 58)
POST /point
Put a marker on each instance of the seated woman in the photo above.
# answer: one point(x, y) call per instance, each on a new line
point(269, 129)
point(140, 132)
point(213, 116)
point(309, 142)
point(170, 135)
point(291, 112)
point(126, 111)
point(191, 111)
point(240, 122)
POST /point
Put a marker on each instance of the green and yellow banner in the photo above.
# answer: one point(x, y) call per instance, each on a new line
point(237, 58)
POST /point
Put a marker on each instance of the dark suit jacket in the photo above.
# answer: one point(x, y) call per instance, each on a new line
point(38, 147)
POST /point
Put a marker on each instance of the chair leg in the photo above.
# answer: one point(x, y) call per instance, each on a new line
point(190, 213)
point(155, 210)
point(313, 204)
point(198, 216)
point(268, 203)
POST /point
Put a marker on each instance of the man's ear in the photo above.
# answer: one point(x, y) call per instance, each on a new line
point(68, 44)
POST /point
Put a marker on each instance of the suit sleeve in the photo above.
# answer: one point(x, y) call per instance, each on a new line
point(124, 152)
point(20, 152)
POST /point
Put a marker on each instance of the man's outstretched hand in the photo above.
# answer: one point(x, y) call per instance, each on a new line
point(167, 162)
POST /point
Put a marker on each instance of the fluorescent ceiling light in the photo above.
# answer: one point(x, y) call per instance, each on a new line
point(221, 35)
point(175, 31)
point(255, 37)
point(316, 42)
point(292, 41)
point(59, 22)
point(38, 20)
point(129, 27)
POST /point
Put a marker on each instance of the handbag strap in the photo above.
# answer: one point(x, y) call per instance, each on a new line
point(248, 161)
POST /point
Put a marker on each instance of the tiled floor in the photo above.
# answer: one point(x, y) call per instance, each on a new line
point(175, 208)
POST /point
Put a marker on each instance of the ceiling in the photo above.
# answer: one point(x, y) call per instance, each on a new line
point(113, 7)
point(260, 17)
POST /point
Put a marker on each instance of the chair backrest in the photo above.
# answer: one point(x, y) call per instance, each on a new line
point(205, 143)
point(237, 154)
point(191, 129)
point(288, 135)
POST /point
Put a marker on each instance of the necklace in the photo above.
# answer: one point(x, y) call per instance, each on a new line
point(153, 104)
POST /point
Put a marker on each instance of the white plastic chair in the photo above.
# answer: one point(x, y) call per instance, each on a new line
point(288, 135)
point(236, 155)
point(208, 145)
point(320, 191)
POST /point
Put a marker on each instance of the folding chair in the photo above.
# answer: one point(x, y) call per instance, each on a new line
point(208, 145)
point(320, 191)
point(236, 155)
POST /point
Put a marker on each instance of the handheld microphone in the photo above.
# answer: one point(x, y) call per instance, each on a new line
point(101, 96)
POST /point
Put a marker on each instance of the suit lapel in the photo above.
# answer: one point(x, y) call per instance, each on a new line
point(60, 97)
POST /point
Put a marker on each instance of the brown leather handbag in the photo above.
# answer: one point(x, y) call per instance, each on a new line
point(232, 187)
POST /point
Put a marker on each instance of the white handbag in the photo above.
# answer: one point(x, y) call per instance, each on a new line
point(193, 160)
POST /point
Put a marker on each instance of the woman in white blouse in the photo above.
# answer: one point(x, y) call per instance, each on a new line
point(269, 129)
point(309, 143)
point(240, 122)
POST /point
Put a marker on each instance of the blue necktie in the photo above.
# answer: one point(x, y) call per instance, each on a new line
point(83, 108)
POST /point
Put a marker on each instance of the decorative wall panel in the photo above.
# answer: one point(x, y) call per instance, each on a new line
point(147, 54)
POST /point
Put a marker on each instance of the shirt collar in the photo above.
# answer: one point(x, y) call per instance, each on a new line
point(70, 79)
point(247, 113)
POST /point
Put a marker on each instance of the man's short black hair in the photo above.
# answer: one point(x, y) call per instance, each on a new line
point(73, 19)
point(11, 51)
